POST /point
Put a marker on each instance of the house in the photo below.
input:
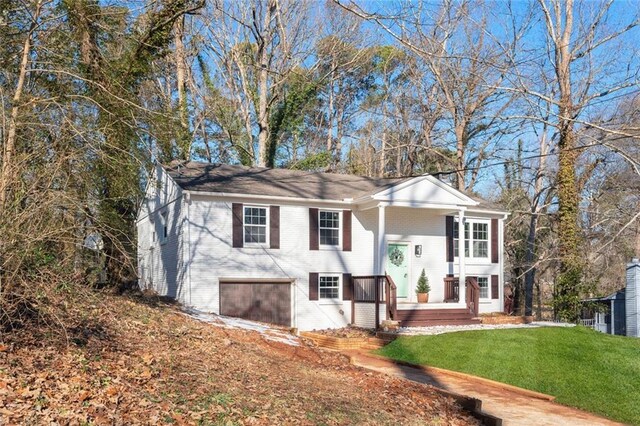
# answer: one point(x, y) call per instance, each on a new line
point(314, 250)
point(606, 314)
point(619, 312)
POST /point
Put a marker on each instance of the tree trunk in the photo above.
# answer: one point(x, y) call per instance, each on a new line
point(383, 150)
point(184, 139)
point(263, 86)
point(330, 116)
point(10, 144)
point(460, 184)
point(529, 276)
point(568, 234)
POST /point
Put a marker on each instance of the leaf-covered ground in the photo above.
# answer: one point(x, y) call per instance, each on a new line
point(129, 360)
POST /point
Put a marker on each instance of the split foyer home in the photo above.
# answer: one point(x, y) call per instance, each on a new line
point(313, 250)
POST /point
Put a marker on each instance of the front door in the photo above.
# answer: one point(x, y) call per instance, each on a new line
point(398, 267)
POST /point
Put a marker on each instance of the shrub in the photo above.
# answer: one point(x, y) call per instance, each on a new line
point(423, 283)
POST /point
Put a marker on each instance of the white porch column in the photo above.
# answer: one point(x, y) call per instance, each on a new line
point(382, 241)
point(462, 276)
point(613, 313)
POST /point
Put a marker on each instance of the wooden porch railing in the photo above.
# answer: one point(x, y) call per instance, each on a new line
point(374, 289)
point(451, 290)
point(392, 300)
point(472, 296)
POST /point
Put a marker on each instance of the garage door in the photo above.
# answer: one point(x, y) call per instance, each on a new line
point(257, 301)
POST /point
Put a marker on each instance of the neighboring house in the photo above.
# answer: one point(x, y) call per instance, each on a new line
point(618, 313)
point(606, 314)
point(312, 250)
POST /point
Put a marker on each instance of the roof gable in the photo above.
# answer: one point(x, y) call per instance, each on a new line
point(427, 189)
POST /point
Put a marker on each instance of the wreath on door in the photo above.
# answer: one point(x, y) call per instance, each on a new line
point(396, 257)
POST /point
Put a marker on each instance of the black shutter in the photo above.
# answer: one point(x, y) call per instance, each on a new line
point(314, 243)
point(494, 241)
point(237, 217)
point(274, 227)
point(449, 234)
point(495, 294)
point(347, 292)
point(313, 285)
point(346, 231)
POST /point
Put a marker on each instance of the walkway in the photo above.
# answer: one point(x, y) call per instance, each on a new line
point(512, 407)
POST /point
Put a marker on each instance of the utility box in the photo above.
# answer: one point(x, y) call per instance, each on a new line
point(632, 298)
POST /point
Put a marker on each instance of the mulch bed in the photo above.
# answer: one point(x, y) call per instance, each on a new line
point(347, 332)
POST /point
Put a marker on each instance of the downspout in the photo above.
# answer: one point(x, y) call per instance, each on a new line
point(501, 261)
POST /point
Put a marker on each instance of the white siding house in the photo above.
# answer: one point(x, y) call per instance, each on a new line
point(292, 247)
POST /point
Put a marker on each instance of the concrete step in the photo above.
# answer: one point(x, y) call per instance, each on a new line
point(436, 322)
point(434, 314)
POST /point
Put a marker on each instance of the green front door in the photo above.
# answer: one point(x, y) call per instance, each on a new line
point(398, 267)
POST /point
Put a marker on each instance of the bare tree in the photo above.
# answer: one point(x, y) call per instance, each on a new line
point(255, 46)
point(9, 144)
point(576, 38)
point(467, 65)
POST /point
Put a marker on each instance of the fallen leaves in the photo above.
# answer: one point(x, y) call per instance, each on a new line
point(150, 365)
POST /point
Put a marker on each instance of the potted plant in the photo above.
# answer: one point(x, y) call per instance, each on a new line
point(423, 288)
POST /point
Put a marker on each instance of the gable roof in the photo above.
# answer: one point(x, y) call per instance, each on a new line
point(225, 178)
point(620, 294)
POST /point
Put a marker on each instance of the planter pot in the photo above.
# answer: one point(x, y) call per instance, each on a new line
point(423, 297)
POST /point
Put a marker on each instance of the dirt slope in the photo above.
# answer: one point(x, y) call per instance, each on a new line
point(129, 361)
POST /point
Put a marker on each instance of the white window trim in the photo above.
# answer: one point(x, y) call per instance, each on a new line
point(164, 226)
point(267, 226)
point(331, 301)
point(488, 298)
point(328, 246)
point(471, 258)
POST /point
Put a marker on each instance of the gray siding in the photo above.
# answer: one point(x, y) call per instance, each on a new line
point(632, 299)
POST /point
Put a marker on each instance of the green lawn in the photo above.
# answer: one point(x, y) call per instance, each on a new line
point(580, 367)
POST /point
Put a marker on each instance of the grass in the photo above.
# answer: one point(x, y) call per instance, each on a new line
point(580, 367)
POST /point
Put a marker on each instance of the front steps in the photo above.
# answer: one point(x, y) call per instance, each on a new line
point(434, 317)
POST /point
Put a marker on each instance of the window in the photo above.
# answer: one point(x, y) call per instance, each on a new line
point(329, 286)
point(476, 239)
point(483, 283)
point(164, 228)
point(480, 239)
point(255, 225)
point(456, 239)
point(329, 228)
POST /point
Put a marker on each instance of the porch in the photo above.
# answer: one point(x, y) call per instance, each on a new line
point(376, 295)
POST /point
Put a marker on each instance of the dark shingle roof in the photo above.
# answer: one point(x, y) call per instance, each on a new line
point(206, 177)
point(224, 178)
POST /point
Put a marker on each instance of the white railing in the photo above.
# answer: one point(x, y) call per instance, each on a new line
point(588, 322)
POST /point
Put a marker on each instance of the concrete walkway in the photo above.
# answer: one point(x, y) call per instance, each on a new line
point(512, 407)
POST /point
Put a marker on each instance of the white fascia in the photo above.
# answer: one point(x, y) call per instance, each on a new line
point(502, 213)
point(373, 203)
point(296, 200)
